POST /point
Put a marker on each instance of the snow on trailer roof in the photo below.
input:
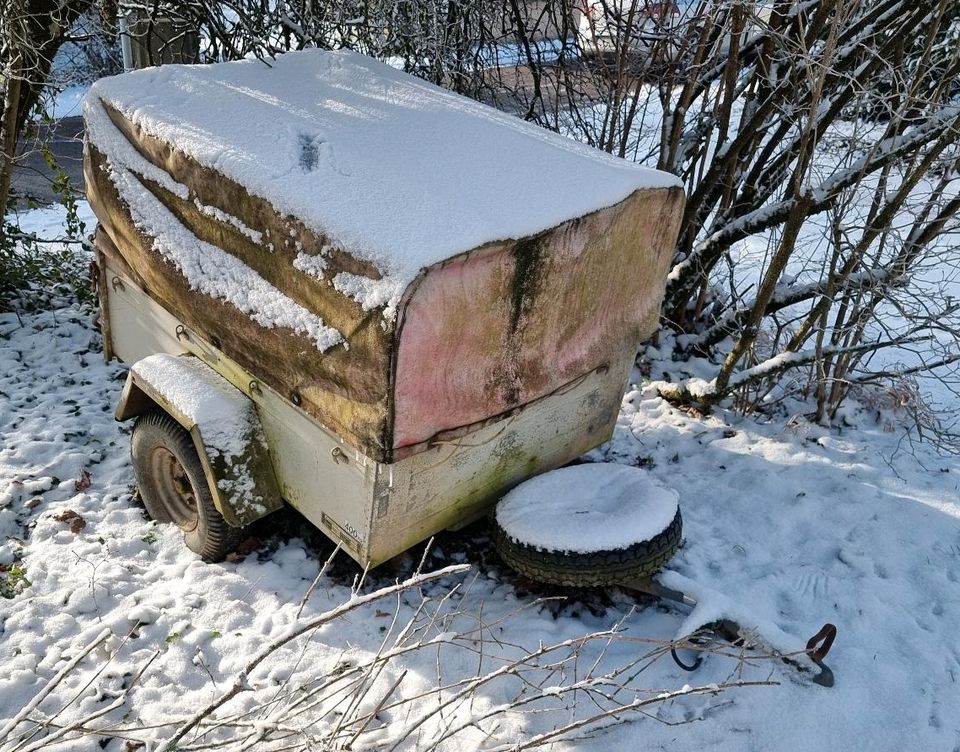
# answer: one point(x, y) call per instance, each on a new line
point(397, 171)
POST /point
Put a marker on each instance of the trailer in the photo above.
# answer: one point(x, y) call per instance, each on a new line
point(342, 288)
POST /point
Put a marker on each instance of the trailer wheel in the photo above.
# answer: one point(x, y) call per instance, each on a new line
point(554, 498)
point(173, 486)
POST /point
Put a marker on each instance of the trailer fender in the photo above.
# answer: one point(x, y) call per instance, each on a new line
point(223, 423)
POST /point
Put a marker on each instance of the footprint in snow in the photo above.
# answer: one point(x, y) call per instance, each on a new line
point(309, 152)
point(813, 584)
point(314, 150)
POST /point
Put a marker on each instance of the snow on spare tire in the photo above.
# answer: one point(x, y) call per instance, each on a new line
point(588, 525)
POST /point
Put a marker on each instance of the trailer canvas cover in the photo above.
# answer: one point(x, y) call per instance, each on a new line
point(404, 260)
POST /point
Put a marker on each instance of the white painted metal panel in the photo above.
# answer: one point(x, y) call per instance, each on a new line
point(319, 475)
point(456, 481)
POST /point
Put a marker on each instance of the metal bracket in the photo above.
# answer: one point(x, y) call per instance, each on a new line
point(816, 649)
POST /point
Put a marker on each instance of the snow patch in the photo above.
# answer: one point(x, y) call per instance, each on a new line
point(203, 396)
point(369, 293)
point(236, 222)
point(312, 264)
point(144, 614)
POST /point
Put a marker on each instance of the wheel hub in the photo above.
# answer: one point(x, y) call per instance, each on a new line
point(174, 488)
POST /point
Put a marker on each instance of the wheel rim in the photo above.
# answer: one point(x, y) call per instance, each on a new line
point(174, 488)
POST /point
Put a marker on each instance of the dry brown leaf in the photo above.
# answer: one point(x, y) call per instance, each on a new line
point(77, 523)
point(83, 481)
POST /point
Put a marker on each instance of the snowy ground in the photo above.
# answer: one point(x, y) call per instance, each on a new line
point(795, 523)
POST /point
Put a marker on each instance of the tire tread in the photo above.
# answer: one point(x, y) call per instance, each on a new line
point(595, 569)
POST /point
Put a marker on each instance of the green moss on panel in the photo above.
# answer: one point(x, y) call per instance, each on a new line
point(527, 256)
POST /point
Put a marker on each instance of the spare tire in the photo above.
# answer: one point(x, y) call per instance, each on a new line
point(588, 525)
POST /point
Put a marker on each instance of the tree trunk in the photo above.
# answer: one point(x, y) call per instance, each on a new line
point(31, 32)
point(11, 108)
point(8, 139)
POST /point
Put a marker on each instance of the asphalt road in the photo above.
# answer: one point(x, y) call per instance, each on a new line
point(32, 177)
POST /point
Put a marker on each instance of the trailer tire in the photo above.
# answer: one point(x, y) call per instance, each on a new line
point(594, 569)
point(173, 486)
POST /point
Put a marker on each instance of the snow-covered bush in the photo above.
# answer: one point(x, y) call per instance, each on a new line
point(805, 219)
point(42, 265)
point(34, 270)
point(91, 51)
